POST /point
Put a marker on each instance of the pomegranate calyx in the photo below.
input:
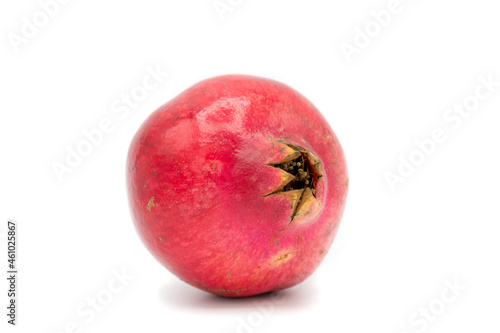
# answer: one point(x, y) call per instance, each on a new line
point(301, 171)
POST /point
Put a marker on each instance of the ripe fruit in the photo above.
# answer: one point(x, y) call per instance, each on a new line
point(237, 185)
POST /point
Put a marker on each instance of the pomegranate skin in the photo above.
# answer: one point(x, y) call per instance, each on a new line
point(207, 196)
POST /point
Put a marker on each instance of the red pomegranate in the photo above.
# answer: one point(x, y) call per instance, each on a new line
point(237, 185)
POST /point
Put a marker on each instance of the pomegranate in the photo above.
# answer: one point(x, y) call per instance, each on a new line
point(237, 186)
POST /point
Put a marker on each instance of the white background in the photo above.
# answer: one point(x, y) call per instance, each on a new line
point(395, 250)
